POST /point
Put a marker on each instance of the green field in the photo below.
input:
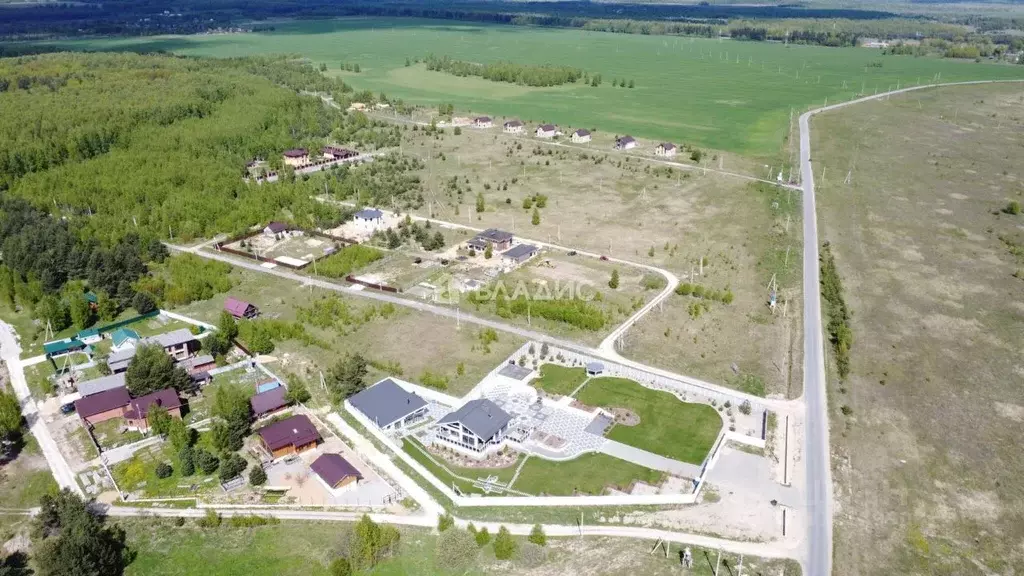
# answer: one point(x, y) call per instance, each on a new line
point(588, 474)
point(723, 94)
point(668, 427)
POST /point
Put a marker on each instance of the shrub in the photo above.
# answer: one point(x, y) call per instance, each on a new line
point(504, 545)
point(846, 410)
point(257, 477)
point(250, 520)
point(684, 289)
point(210, 520)
point(531, 555)
point(341, 567)
point(444, 522)
point(1012, 208)
point(143, 302)
point(483, 537)
point(164, 470)
point(745, 407)
point(537, 535)
point(187, 459)
point(456, 551)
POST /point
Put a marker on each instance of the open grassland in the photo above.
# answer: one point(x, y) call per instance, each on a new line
point(398, 341)
point(587, 474)
point(727, 95)
point(680, 430)
point(608, 203)
point(25, 478)
point(926, 428)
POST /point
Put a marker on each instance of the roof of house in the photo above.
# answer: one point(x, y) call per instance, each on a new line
point(102, 402)
point(668, 146)
point(482, 417)
point(61, 346)
point(513, 123)
point(294, 431)
point(122, 334)
point(493, 235)
point(235, 306)
point(337, 151)
point(582, 132)
point(101, 384)
point(83, 334)
point(191, 364)
point(296, 153)
point(121, 356)
point(332, 468)
point(369, 214)
point(595, 367)
point(546, 127)
point(266, 402)
point(91, 297)
point(482, 119)
point(624, 140)
point(172, 338)
point(519, 251)
point(276, 227)
point(139, 407)
point(386, 402)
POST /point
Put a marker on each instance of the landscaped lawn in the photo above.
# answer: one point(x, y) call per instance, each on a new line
point(668, 426)
point(503, 474)
point(588, 474)
point(555, 379)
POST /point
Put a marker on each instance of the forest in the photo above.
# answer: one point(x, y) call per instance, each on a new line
point(112, 153)
point(528, 75)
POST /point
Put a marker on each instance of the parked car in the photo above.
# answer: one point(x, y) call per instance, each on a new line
point(604, 258)
point(572, 252)
point(68, 408)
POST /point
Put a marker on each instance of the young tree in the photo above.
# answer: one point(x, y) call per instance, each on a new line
point(70, 539)
point(444, 522)
point(488, 251)
point(107, 307)
point(483, 537)
point(232, 467)
point(613, 282)
point(341, 566)
point(206, 462)
point(537, 535)
point(257, 477)
point(347, 377)
point(535, 220)
point(631, 84)
point(480, 206)
point(297, 393)
point(186, 460)
point(504, 545)
point(180, 435)
point(159, 420)
point(164, 470)
point(151, 370)
point(81, 312)
point(10, 416)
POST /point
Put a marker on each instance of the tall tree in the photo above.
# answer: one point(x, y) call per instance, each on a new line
point(70, 540)
point(231, 406)
point(347, 377)
point(152, 369)
point(10, 416)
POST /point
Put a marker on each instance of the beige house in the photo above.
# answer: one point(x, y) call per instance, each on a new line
point(297, 157)
point(666, 149)
point(514, 127)
point(580, 136)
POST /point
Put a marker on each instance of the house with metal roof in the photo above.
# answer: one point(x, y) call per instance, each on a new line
point(89, 336)
point(136, 415)
point(498, 240)
point(580, 136)
point(177, 343)
point(289, 436)
point(389, 405)
point(518, 254)
point(268, 402)
point(477, 428)
point(61, 347)
point(123, 338)
point(514, 127)
point(119, 361)
point(665, 149)
point(625, 143)
point(240, 308)
point(336, 473)
point(103, 406)
point(101, 384)
point(369, 218)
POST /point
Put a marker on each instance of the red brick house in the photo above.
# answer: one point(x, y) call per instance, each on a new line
point(135, 415)
point(103, 406)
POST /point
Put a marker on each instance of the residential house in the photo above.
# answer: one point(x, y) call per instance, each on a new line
point(240, 308)
point(580, 136)
point(137, 413)
point(498, 240)
point(369, 218)
point(518, 254)
point(275, 228)
point(198, 363)
point(101, 384)
point(297, 157)
point(335, 472)
point(178, 343)
point(266, 403)
point(514, 127)
point(119, 361)
point(667, 149)
point(389, 405)
point(546, 131)
point(89, 336)
point(483, 122)
point(477, 428)
point(123, 338)
point(289, 436)
point(625, 143)
point(103, 406)
point(335, 153)
point(56, 348)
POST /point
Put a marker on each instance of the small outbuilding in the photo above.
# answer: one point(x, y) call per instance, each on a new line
point(275, 228)
point(519, 253)
point(595, 368)
point(123, 338)
point(335, 472)
point(240, 308)
point(268, 402)
point(369, 218)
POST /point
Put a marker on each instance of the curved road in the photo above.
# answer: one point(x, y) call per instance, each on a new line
point(816, 438)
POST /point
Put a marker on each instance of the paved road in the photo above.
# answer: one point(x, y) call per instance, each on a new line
point(10, 351)
point(816, 438)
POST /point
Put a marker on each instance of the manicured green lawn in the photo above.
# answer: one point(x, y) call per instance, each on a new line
point(669, 427)
point(503, 474)
point(729, 95)
point(555, 379)
point(588, 474)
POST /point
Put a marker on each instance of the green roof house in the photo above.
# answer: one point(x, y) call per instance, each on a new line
point(124, 338)
point(89, 336)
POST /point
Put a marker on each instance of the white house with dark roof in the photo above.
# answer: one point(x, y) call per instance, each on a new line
point(483, 122)
point(477, 429)
point(514, 127)
point(369, 219)
point(389, 406)
point(667, 149)
point(580, 136)
point(625, 143)
point(546, 131)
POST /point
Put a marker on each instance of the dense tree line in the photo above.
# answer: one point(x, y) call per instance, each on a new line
point(525, 74)
point(839, 330)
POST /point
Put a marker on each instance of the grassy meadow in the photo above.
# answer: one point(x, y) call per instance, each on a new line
point(727, 95)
